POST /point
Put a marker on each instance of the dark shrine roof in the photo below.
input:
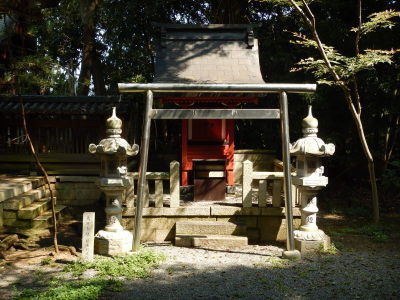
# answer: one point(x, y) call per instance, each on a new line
point(76, 105)
point(207, 54)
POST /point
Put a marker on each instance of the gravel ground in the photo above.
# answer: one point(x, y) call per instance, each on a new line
point(363, 269)
point(258, 272)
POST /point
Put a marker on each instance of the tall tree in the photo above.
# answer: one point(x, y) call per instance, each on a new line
point(344, 72)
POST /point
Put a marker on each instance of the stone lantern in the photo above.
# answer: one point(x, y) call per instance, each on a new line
point(309, 180)
point(113, 152)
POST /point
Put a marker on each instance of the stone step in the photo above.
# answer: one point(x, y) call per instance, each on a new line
point(27, 198)
point(45, 219)
point(209, 228)
point(17, 185)
point(42, 221)
point(35, 209)
point(220, 241)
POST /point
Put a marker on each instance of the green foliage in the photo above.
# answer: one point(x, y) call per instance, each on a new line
point(277, 263)
point(331, 250)
point(37, 73)
point(391, 178)
point(137, 265)
point(80, 290)
point(46, 261)
point(345, 67)
point(378, 20)
point(376, 232)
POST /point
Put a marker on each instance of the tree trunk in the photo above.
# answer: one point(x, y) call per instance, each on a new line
point(229, 11)
point(91, 63)
point(98, 76)
point(368, 156)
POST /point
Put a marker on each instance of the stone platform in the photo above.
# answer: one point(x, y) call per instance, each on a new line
point(262, 224)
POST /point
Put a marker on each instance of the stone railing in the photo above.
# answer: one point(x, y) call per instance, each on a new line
point(270, 185)
point(157, 177)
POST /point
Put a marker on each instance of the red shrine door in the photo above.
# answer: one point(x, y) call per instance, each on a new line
point(204, 139)
point(206, 131)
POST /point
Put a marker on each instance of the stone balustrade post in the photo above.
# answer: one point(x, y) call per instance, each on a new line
point(174, 183)
point(247, 179)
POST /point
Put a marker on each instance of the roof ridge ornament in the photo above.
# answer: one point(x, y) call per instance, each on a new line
point(310, 143)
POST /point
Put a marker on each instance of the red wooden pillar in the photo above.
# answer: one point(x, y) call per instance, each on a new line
point(186, 165)
point(230, 178)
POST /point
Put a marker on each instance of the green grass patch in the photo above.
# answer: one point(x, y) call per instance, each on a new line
point(277, 263)
point(79, 290)
point(132, 266)
point(46, 261)
point(137, 265)
point(331, 250)
point(377, 232)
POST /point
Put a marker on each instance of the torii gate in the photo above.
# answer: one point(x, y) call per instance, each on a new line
point(280, 88)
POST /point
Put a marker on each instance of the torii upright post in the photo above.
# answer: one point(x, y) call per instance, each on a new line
point(291, 252)
point(144, 154)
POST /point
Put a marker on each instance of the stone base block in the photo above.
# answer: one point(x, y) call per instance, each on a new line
point(113, 243)
point(224, 241)
point(312, 246)
point(209, 227)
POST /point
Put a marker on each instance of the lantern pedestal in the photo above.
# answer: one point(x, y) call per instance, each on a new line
point(309, 238)
point(113, 240)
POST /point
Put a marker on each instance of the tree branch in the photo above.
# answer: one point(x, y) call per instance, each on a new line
point(46, 177)
point(311, 23)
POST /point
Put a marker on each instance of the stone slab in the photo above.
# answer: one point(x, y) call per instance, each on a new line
point(35, 209)
point(17, 223)
point(20, 201)
point(170, 211)
point(116, 243)
point(279, 211)
point(1, 215)
point(234, 210)
point(7, 214)
point(253, 234)
point(248, 221)
point(200, 241)
point(88, 236)
point(209, 227)
point(87, 195)
point(154, 227)
point(312, 246)
point(274, 228)
point(45, 219)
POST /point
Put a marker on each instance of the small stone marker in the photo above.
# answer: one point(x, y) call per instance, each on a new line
point(88, 236)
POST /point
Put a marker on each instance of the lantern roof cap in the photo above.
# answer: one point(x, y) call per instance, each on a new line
point(113, 144)
point(310, 143)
